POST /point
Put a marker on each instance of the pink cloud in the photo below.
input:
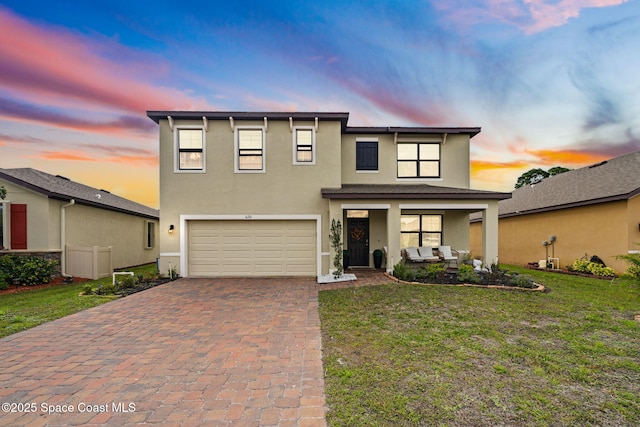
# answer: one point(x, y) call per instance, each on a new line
point(545, 14)
point(54, 64)
point(531, 16)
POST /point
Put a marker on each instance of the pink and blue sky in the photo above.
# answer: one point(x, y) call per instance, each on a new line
point(551, 82)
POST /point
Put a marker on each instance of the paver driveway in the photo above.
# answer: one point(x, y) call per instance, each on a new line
point(191, 352)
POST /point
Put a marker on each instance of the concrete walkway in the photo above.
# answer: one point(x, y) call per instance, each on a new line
point(194, 352)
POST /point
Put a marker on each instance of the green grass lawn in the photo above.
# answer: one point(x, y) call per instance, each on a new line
point(26, 309)
point(411, 355)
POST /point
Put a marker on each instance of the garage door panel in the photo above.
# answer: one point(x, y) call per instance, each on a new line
point(251, 248)
point(276, 240)
point(200, 240)
point(237, 240)
point(269, 254)
point(207, 247)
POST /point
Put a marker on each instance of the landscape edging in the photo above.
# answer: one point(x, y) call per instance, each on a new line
point(538, 288)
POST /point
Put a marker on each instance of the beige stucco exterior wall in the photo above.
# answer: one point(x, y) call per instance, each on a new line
point(89, 226)
point(85, 226)
point(454, 166)
point(605, 230)
point(284, 189)
point(39, 234)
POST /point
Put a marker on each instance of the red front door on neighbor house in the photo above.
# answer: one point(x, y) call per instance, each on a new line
point(18, 221)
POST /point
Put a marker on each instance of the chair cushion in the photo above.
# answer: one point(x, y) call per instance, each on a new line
point(446, 252)
point(413, 254)
point(426, 252)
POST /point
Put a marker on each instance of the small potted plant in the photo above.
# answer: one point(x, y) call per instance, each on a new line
point(377, 258)
point(345, 258)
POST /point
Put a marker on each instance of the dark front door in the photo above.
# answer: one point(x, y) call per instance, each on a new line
point(358, 241)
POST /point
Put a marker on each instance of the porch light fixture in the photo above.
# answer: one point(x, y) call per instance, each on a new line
point(172, 229)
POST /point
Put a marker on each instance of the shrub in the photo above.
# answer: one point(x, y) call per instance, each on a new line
point(87, 290)
point(588, 267)
point(402, 272)
point(8, 266)
point(335, 238)
point(580, 266)
point(466, 274)
point(633, 264)
point(522, 281)
point(106, 289)
point(126, 283)
point(434, 270)
point(30, 270)
point(601, 270)
point(633, 270)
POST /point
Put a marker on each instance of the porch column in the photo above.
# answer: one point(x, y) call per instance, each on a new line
point(393, 236)
point(335, 213)
point(490, 233)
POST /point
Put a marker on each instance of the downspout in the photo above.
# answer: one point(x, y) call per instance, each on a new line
point(63, 238)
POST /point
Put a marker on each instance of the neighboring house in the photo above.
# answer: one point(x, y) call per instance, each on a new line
point(254, 193)
point(42, 214)
point(593, 210)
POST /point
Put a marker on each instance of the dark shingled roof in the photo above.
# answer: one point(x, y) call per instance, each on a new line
point(611, 180)
point(61, 188)
point(408, 191)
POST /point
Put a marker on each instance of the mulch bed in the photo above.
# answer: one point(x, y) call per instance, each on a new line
point(571, 273)
point(54, 282)
point(142, 287)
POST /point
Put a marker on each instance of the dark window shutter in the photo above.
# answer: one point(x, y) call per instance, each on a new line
point(366, 156)
point(18, 223)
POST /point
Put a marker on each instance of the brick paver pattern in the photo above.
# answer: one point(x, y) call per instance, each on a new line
point(194, 352)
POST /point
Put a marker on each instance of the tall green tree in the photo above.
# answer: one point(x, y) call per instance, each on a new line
point(533, 176)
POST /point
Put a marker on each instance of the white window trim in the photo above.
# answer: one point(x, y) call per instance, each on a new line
point(295, 145)
point(5, 224)
point(176, 150)
point(236, 159)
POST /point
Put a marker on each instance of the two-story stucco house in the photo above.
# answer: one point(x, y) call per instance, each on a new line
point(254, 193)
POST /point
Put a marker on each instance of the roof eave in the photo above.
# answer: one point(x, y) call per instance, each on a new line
point(27, 185)
point(449, 196)
point(85, 202)
point(68, 198)
point(471, 131)
point(157, 115)
point(614, 198)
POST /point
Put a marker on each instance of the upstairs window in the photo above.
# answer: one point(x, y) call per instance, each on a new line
point(418, 160)
point(304, 146)
point(250, 150)
point(366, 155)
point(190, 143)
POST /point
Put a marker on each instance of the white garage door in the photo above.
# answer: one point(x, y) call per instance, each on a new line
point(252, 248)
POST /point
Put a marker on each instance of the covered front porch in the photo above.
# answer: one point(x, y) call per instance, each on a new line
point(390, 218)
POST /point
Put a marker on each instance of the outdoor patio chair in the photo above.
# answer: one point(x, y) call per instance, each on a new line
point(413, 255)
point(448, 255)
